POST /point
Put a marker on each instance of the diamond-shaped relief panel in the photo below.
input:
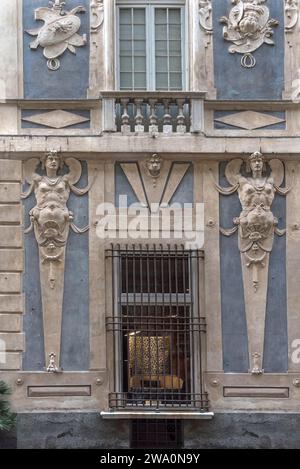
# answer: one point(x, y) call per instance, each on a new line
point(57, 119)
point(250, 120)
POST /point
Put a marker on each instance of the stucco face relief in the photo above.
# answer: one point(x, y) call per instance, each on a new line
point(59, 32)
point(248, 27)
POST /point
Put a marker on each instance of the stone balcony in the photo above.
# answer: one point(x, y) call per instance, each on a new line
point(165, 113)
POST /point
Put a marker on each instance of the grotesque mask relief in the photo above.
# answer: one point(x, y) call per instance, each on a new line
point(256, 226)
point(154, 164)
point(248, 27)
point(291, 9)
point(51, 221)
point(59, 32)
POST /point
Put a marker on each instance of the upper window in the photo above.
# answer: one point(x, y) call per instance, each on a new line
point(150, 46)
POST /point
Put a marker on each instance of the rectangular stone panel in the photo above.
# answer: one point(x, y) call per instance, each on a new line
point(11, 303)
point(10, 322)
point(58, 391)
point(10, 214)
point(10, 283)
point(12, 341)
point(10, 192)
point(11, 237)
point(11, 361)
point(11, 260)
point(10, 170)
point(256, 392)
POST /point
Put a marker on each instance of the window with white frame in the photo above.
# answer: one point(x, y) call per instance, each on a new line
point(151, 45)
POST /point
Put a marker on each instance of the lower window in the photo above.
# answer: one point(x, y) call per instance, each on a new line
point(157, 329)
point(153, 434)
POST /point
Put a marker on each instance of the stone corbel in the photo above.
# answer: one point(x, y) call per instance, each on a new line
point(291, 9)
point(97, 15)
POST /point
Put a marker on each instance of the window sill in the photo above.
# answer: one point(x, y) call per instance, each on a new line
point(160, 414)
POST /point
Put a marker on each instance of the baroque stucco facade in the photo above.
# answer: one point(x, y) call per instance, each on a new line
point(65, 104)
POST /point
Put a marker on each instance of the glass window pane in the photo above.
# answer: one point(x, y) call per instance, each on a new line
point(125, 81)
point(132, 33)
point(161, 64)
point(174, 16)
point(140, 81)
point(126, 64)
point(175, 81)
point(125, 16)
point(175, 46)
point(175, 32)
point(161, 32)
point(140, 64)
point(168, 48)
point(161, 16)
point(139, 32)
point(161, 81)
point(139, 16)
point(139, 47)
point(125, 31)
point(175, 64)
point(125, 47)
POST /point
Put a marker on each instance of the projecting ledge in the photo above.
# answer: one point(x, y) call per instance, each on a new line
point(157, 415)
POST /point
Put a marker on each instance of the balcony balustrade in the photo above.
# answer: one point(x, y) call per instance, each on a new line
point(167, 113)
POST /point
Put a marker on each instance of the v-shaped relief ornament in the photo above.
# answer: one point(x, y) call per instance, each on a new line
point(59, 32)
point(154, 180)
point(256, 226)
point(248, 27)
point(51, 221)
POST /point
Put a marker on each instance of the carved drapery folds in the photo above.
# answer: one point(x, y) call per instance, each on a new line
point(291, 9)
point(59, 32)
point(256, 226)
point(248, 27)
point(51, 221)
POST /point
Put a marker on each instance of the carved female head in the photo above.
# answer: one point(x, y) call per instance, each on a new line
point(52, 160)
point(256, 163)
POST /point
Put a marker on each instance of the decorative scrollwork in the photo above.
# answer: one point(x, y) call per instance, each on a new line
point(97, 15)
point(205, 13)
point(248, 27)
point(59, 32)
point(291, 9)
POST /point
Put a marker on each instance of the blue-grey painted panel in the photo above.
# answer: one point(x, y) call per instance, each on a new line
point(266, 79)
point(33, 357)
point(75, 323)
point(184, 193)
point(276, 340)
point(234, 326)
point(123, 187)
point(222, 125)
point(31, 125)
point(71, 81)
point(75, 346)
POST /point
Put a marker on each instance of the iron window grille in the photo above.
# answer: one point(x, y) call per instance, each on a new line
point(157, 329)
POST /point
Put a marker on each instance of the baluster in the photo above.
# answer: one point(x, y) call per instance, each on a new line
point(153, 120)
point(139, 119)
point(167, 119)
point(181, 122)
point(125, 125)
